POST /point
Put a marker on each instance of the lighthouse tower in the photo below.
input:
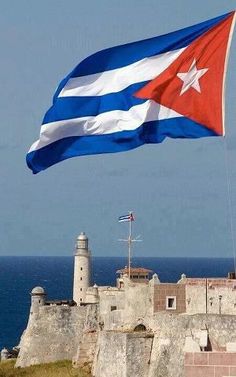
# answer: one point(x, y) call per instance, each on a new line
point(82, 278)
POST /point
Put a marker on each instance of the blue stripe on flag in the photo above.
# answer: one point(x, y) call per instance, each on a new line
point(75, 107)
point(120, 56)
point(150, 132)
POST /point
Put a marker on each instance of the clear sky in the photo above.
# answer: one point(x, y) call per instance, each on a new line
point(177, 189)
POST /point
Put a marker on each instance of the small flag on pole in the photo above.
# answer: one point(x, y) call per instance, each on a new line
point(125, 218)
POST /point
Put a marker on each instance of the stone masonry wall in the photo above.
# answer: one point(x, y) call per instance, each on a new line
point(123, 354)
point(111, 298)
point(167, 348)
point(216, 296)
point(195, 299)
point(171, 331)
point(53, 334)
point(138, 303)
point(125, 308)
point(138, 349)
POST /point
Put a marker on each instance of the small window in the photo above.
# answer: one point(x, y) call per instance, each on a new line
point(171, 302)
point(81, 278)
point(80, 299)
point(81, 268)
point(113, 308)
point(81, 289)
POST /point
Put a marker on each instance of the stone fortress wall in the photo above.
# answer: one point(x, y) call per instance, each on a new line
point(53, 334)
point(216, 296)
point(160, 351)
point(141, 327)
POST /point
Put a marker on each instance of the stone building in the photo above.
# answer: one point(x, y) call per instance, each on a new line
point(82, 269)
point(139, 328)
point(38, 296)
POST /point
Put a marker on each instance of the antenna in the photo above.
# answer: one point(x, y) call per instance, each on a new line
point(129, 218)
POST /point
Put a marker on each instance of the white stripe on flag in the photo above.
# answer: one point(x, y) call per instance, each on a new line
point(124, 217)
point(118, 79)
point(105, 123)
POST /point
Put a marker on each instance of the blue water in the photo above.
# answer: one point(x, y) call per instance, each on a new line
point(18, 275)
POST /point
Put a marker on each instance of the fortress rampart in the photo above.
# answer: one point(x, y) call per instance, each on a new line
point(52, 334)
point(141, 327)
point(160, 352)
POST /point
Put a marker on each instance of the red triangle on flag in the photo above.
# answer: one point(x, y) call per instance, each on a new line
point(193, 84)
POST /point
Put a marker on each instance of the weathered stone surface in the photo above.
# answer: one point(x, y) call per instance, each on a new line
point(111, 355)
point(216, 296)
point(53, 334)
point(123, 354)
point(86, 350)
point(231, 347)
point(138, 354)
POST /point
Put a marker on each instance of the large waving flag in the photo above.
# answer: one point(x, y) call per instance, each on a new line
point(138, 93)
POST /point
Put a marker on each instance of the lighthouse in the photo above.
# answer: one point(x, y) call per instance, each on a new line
point(82, 273)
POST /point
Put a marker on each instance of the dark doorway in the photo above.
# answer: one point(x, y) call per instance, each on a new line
point(140, 327)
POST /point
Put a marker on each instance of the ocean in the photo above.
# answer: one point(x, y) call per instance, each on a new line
point(18, 275)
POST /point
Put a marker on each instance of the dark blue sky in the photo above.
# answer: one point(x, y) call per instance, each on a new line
point(177, 189)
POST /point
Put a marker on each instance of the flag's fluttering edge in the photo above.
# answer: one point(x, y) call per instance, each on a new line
point(125, 218)
point(138, 93)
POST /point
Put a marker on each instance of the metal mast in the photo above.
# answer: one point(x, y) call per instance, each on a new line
point(130, 240)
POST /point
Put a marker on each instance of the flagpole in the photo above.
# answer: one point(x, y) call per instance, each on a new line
point(129, 218)
point(129, 243)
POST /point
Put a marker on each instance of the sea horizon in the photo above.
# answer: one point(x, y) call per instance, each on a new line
point(115, 256)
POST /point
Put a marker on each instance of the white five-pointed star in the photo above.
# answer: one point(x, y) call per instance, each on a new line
point(191, 78)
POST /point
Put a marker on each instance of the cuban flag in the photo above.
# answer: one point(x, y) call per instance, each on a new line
point(125, 218)
point(139, 93)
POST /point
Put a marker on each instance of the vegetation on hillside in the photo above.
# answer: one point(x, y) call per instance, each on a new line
point(58, 369)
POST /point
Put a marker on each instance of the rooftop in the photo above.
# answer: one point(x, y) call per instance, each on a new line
point(38, 291)
point(134, 270)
